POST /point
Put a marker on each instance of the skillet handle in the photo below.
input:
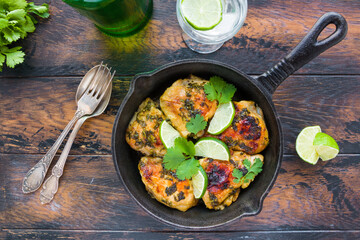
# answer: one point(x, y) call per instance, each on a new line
point(305, 51)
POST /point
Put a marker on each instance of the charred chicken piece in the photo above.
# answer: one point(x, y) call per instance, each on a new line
point(184, 100)
point(222, 188)
point(163, 185)
point(248, 132)
point(143, 131)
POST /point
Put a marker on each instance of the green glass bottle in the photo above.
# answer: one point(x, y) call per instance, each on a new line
point(115, 17)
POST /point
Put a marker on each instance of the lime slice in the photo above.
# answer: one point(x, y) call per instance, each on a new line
point(325, 146)
point(212, 148)
point(168, 134)
point(200, 182)
point(202, 14)
point(304, 144)
point(222, 119)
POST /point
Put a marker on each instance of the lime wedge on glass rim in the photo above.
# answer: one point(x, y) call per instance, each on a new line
point(325, 146)
point(202, 14)
point(199, 182)
point(212, 148)
point(222, 119)
point(168, 134)
point(304, 144)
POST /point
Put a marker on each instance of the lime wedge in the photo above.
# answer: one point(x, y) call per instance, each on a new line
point(222, 119)
point(168, 134)
point(304, 144)
point(200, 182)
point(202, 14)
point(325, 146)
point(212, 148)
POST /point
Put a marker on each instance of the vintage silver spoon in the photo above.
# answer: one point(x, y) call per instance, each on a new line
point(35, 176)
point(51, 185)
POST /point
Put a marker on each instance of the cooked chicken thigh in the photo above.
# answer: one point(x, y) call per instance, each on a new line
point(222, 190)
point(163, 185)
point(143, 131)
point(248, 131)
point(184, 100)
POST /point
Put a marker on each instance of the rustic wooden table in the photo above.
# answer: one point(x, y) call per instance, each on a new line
point(37, 101)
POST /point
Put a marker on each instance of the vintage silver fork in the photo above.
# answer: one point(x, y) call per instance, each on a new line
point(86, 106)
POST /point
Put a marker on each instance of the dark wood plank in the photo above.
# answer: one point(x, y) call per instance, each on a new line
point(319, 235)
point(90, 197)
point(68, 44)
point(35, 110)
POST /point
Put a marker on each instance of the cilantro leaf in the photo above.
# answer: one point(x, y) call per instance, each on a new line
point(218, 89)
point(41, 11)
point(227, 93)
point(253, 170)
point(237, 174)
point(173, 158)
point(16, 22)
point(247, 164)
point(196, 124)
point(185, 146)
point(187, 169)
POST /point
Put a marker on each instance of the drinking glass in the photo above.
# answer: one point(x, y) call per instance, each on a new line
point(115, 17)
point(208, 41)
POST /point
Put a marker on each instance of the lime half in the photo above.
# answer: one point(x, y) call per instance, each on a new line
point(222, 119)
point(212, 148)
point(200, 182)
point(304, 144)
point(325, 146)
point(168, 134)
point(202, 14)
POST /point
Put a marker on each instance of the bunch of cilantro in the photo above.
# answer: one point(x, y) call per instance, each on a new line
point(16, 22)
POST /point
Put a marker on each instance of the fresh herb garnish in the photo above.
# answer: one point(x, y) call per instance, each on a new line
point(218, 89)
point(15, 23)
point(253, 170)
point(237, 174)
point(196, 124)
point(180, 157)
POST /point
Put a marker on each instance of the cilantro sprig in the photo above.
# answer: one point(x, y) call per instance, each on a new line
point(218, 89)
point(196, 124)
point(253, 170)
point(180, 157)
point(16, 22)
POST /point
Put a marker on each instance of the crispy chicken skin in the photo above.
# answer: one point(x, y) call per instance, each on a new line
point(185, 99)
point(222, 191)
point(248, 131)
point(163, 185)
point(143, 131)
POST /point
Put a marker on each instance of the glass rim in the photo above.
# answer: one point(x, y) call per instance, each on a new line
point(223, 37)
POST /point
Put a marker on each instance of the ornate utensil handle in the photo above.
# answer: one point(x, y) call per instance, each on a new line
point(51, 184)
point(35, 176)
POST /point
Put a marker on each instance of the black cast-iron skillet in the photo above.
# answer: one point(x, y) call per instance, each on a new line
point(259, 89)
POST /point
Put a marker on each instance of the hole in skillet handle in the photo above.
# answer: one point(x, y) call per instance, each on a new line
point(309, 48)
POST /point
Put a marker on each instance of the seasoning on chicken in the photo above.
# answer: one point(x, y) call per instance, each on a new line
point(184, 100)
point(248, 131)
point(222, 190)
point(143, 131)
point(163, 185)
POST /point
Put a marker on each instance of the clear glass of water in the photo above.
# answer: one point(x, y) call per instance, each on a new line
point(208, 41)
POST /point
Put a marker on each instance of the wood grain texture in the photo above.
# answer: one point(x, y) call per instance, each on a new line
point(35, 110)
point(69, 44)
point(91, 197)
point(47, 235)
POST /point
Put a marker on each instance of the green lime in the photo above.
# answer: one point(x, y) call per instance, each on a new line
point(222, 119)
point(200, 182)
point(304, 144)
point(168, 134)
point(202, 14)
point(325, 146)
point(212, 148)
